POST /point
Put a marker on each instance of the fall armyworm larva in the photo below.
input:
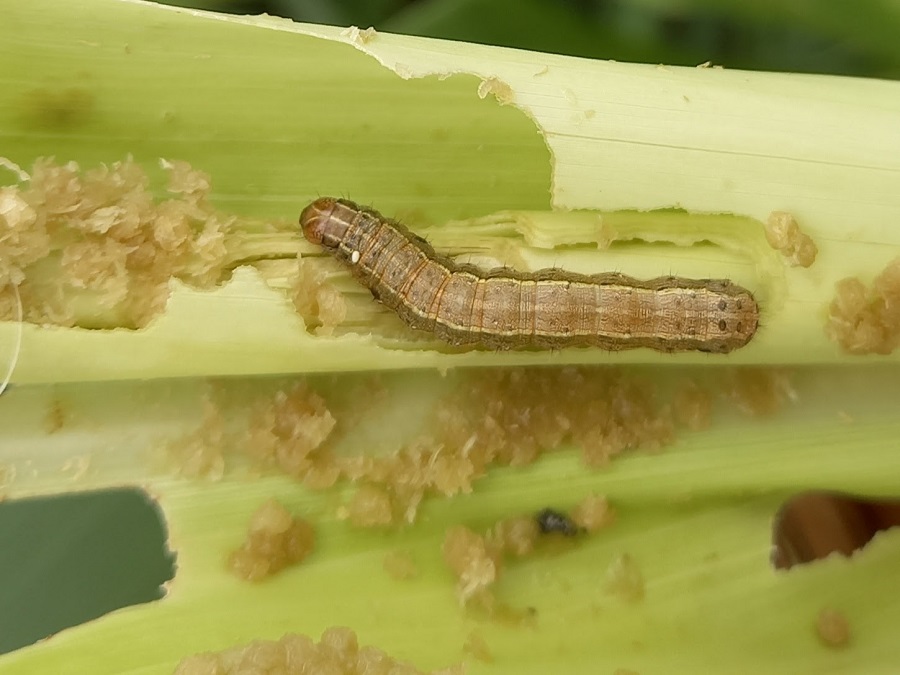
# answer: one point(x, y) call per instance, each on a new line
point(508, 309)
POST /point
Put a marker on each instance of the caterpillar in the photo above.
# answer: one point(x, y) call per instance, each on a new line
point(546, 309)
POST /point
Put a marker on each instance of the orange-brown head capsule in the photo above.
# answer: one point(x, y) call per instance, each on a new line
point(314, 219)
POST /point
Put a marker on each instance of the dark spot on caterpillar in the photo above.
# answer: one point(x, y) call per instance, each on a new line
point(722, 305)
point(722, 324)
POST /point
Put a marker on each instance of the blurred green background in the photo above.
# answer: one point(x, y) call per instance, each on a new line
point(860, 38)
point(76, 558)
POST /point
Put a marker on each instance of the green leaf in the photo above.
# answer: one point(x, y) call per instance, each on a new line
point(277, 113)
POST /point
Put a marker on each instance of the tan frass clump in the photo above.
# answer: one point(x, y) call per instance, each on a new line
point(94, 249)
point(337, 653)
point(275, 540)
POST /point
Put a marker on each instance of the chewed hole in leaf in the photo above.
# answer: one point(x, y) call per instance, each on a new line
point(67, 560)
point(813, 525)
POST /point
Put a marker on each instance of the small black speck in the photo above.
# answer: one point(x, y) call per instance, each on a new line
point(549, 520)
point(722, 324)
point(722, 305)
point(739, 304)
point(739, 327)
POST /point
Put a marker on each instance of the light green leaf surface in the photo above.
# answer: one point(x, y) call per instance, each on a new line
point(308, 116)
point(697, 519)
point(279, 113)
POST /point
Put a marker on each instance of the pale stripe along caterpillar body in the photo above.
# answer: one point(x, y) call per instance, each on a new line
point(508, 309)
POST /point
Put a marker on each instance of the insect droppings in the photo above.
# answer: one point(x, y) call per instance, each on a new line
point(549, 520)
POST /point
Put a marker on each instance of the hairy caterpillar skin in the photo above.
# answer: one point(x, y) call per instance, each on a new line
point(546, 309)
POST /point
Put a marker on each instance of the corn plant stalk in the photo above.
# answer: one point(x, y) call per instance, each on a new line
point(278, 113)
point(321, 118)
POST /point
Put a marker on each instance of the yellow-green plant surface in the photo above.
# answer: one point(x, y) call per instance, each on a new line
point(277, 114)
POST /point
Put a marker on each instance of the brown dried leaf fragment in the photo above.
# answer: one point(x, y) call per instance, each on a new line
point(275, 540)
point(867, 320)
point(784, 235)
